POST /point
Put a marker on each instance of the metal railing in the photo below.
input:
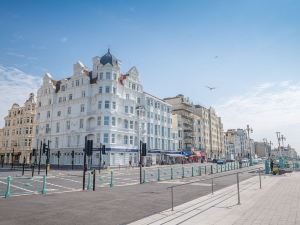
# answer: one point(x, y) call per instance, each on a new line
point(259, 170)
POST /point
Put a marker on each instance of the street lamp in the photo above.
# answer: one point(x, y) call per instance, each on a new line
point(278, 139)
point(140, 112)
point(265, 140)
point(249, 130)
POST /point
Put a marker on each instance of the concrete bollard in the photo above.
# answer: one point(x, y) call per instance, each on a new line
point(199, 170)
point(192, 171)
point(111, 179)
point(158, 174)
point(44, 185)
point(182, 172)
point(7, 193)
point(144, 176)
point(171, 173)
point(89, 186)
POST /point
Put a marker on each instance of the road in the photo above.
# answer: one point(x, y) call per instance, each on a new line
point(107, 206)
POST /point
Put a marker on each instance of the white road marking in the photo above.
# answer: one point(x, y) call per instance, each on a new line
point(18, 187)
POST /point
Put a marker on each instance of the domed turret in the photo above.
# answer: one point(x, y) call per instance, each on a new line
point(108, 58)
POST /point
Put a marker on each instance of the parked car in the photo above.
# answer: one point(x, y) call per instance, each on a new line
point(221, 161)
point(214, 160)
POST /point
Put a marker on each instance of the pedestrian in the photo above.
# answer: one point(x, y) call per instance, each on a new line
point(130, 165)
point(271, 165)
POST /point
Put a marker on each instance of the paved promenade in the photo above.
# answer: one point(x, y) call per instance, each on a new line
point(276, 203)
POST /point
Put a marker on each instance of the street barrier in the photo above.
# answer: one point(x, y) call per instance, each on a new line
point(212, 179)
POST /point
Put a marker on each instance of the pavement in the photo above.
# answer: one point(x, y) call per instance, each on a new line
point(277, 202)
point(109, 206)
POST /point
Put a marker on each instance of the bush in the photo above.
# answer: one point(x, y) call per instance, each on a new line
point(275, 171)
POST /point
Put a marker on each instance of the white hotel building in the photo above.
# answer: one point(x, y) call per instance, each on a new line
point(109, 108)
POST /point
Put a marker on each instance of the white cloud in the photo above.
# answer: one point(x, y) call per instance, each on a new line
point(15, 87)
point(268, 108)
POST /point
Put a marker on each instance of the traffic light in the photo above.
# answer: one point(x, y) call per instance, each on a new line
point(103, 150)
point(33, 152)
point(58, 154)
point(89, 147)
point(73, 154)
point(144, 149)
point(44, 148)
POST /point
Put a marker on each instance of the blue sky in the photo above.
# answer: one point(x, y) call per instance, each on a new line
point(238, 46)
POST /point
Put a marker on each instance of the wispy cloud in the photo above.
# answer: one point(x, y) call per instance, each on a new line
point(18, 55)
point(268, 108)
point(15, 87)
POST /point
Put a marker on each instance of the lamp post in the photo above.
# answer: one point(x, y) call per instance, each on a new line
point(283, 138)
point(265, 140)
point(140, 113)
point(278, 139)
point(249, 130)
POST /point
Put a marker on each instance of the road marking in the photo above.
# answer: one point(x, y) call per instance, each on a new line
point(18, 187)
point(56, 185)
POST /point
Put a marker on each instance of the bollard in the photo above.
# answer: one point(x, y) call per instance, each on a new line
point(182, 172)
point(32, 170)
point(94, 180)
point(172, 195)
point(205, 171)
point(211, 169)
point(238, 188)
point(212, 185)
point(192, 171)
point(259, 178)
point(158, 174)
point(89, 186)
point(144, 176)
point(111, 179)
point(221, 168)
point(171, 173)
point(199, 170)
point(44, 185)
point(7, 193)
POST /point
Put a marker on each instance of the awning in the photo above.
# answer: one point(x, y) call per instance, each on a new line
point(175, 155)
point(186, 153)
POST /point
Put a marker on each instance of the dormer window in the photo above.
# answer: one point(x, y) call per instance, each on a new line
point(101, 76)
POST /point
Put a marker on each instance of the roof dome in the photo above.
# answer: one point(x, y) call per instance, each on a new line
point(108, 58)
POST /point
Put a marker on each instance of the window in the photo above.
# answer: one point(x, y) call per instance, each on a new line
point(131, 109)
point(115, 76)
point(81, 123)
point(59, 99)
point(99, 104)
point(101, 76)
point(83, 94)
point(56, 142)
point(70, 96)
point(127, 96)
point(38, 117)
point(113, 138)
point(63, 88)
point(59, 113)
point(126, 124)
point(77, 83)
point(68, 124)
point(113, 121)
point(68, 141)
point(131, 140)
point(48, 114)
point(126, 109)
point(105, 138)
point(125, 139)
point(114, 90)
point(37, 129)
point(131, 124)
point(77, 140)
point(82, 108)
point(69, 110)
point(100, 90)
point(99, 120)
point(57, 127)
point(107, 89)
point(106, 120)
point(107, 76)
point(114, 105)
point(47, 128)
point(106, 104)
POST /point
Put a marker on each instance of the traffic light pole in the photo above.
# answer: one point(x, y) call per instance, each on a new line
point(40, 156)
point(84, 163)
point(100, 158)
point(73, 153)
point(140, 162)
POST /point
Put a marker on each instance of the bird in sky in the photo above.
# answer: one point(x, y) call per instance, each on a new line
point(210, 88)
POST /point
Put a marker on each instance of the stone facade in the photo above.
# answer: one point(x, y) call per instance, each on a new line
point(106, 106)
point(18, 133)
